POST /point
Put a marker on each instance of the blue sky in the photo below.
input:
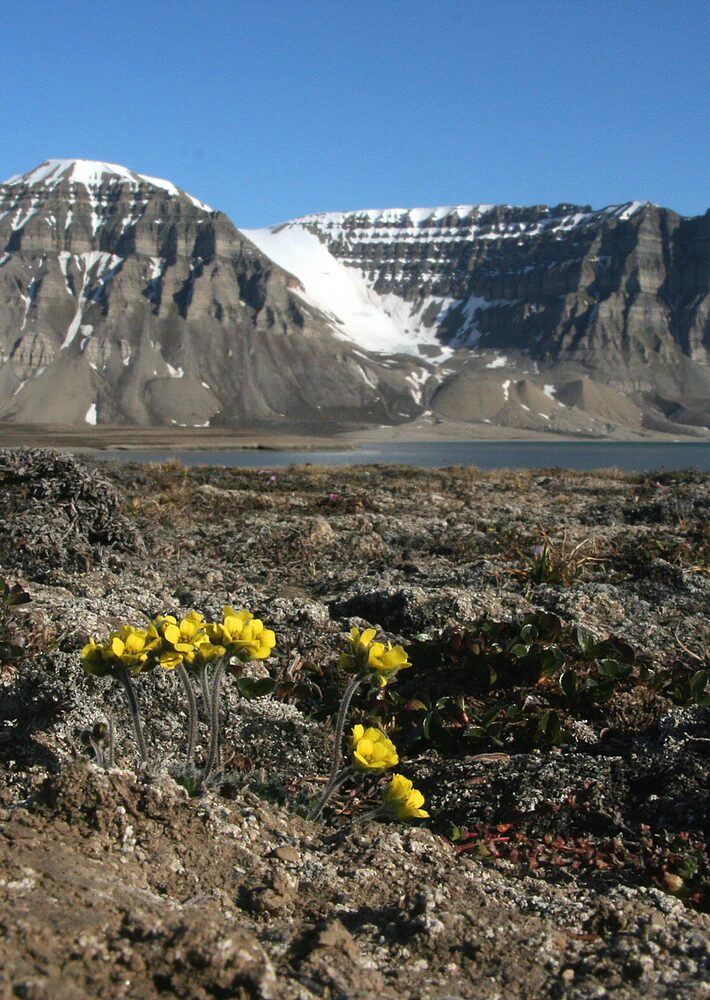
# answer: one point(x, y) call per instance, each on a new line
point(269, 109)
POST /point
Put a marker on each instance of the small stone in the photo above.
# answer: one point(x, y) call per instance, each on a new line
point(321, 534)
point(288, 854)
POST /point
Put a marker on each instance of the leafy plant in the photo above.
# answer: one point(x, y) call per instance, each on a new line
point(12, 595)
point(674, 862)
point(560, 562)
point(370, 661)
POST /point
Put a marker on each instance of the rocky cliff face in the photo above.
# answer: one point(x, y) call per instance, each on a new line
point(620, 297)
point(126, 300)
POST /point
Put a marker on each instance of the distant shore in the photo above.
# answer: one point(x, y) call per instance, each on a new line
point(302, 438)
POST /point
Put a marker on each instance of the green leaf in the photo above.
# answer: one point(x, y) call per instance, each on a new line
point(250, 687)
point(698, 683)
point(689, 865)
point(549, 624)
point(426, 725)
point(609, 667)
point(617, 649)
point(585, 641)
point(520, 650)
point(549, 726)
point(13, 595)
point(568, 683)
point(603, 691)
point(528, 633)
point(551, 660)
point(475, 733)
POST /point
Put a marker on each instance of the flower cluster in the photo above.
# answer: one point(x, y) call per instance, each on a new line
point(186, 641)
point(364, 655)
point(201, 651)
point(242, 635)
point(130, 649)
point(187, 646)
point(168, 642)
point(373, 751)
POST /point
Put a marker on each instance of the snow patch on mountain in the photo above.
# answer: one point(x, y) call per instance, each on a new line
point(356, 267)
point(382, 323)
point(93, 174)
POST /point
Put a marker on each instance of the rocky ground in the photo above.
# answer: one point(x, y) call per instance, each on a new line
point(554, 718)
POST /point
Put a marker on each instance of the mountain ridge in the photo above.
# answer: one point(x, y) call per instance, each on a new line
point(160, 310)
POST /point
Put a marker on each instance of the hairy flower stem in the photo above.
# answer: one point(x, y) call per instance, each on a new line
point(371, 814)
point(214, 742)
point(330, 790)
point(338, 743)
point(135, 713)
point(206, 693)
point(97, 752)
point(191, 713)
point(111, 741)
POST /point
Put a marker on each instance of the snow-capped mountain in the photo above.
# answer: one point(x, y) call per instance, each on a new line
point(126, 300)
point(619, 296)
point(394, 279)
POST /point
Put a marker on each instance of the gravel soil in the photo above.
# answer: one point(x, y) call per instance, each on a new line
point(554, 717)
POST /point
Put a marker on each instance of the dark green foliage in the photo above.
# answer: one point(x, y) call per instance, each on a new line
point(514, 686)
point(12, 595)
point(250, 687)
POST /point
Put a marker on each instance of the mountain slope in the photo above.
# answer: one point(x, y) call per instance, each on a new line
point(620, 296)
point(126, 300)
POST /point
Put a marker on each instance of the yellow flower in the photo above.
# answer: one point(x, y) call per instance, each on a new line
point(386, 661)
point(403, 801)
point(242, 635)
point(185, 641)
point(94, 662)
point(170, 659)
point(129, 648)
point(364, 654)
point(372, 750)
point(355, 658)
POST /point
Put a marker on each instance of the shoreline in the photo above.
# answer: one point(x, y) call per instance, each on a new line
point(309, 438)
